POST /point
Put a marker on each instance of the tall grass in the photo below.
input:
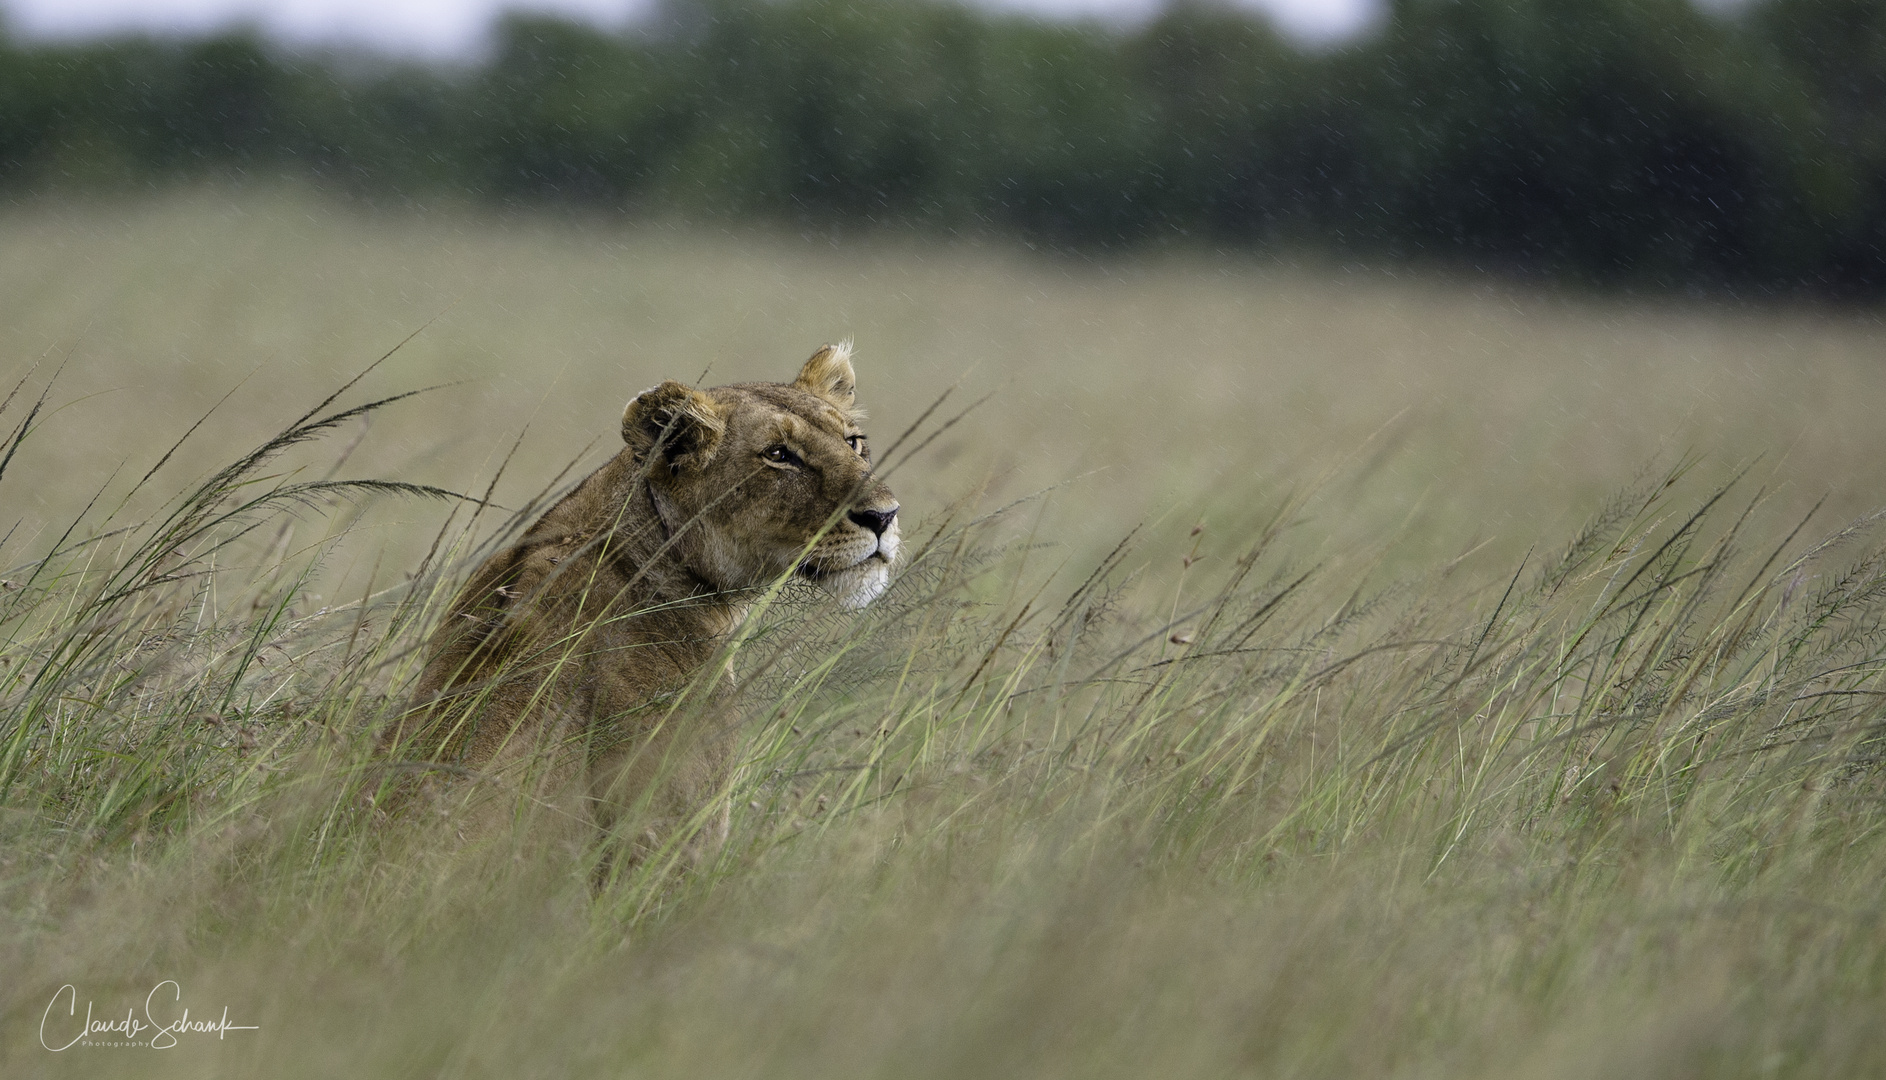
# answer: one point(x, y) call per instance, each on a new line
point(1613, 811)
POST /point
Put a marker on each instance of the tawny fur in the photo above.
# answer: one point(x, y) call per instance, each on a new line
point(554, 676)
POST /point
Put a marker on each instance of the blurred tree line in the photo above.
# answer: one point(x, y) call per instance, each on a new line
point(1609, 140)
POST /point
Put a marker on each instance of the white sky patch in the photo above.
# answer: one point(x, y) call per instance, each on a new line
point(456, 28)
point(439, 28)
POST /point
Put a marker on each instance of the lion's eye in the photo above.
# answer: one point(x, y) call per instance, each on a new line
point(857, 444)
point(781, 455)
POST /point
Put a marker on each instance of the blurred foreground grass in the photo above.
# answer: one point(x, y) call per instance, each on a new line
point(1458, 742)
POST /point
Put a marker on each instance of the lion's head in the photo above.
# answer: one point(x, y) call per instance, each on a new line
point(757, 479)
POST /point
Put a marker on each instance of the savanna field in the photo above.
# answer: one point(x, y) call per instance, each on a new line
point(1296, 669)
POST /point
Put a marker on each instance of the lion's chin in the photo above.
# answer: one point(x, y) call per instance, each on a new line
point(856, 586)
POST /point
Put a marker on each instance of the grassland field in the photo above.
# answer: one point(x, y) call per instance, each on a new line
point(1469, 701)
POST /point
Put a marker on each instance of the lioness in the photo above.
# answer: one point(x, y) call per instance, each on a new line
point(555, 673)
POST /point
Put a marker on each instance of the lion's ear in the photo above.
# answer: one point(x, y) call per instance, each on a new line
point(828, 375)
point(683, 422)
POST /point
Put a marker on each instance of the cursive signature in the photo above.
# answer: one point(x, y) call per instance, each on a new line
point(158, 1034)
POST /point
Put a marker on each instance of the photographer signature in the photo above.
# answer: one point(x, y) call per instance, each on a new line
point(129, 1031)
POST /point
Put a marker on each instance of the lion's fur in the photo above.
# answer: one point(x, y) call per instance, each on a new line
point(554, 674)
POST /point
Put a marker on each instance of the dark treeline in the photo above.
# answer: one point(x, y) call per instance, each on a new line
point(1631, 141)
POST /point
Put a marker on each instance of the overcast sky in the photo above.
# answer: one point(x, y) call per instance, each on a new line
point(456, 27)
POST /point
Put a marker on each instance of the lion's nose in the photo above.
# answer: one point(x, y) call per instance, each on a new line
point(875, 520)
